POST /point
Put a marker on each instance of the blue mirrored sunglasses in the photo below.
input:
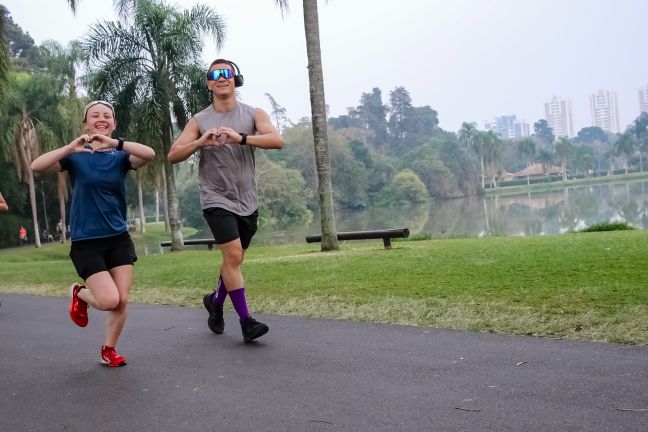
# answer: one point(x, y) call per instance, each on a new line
point(217, 73)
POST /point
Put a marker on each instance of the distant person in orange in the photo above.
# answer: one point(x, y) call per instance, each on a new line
point(22, 233)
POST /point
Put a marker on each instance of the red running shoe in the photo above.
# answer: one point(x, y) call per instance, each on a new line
point(78, 307)
point(110, 358)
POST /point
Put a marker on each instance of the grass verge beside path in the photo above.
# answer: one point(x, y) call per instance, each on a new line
point(589, 286)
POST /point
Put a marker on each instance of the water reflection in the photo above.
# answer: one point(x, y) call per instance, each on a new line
point(543, 213)
point(526, 214)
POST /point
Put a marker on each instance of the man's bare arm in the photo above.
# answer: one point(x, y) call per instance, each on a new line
point(186, 144)
point(268, 136)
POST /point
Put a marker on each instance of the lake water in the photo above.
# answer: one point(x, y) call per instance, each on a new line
point(544, 213)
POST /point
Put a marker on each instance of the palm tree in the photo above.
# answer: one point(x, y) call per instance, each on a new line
point(546, 158)
point(31, 111)
point(472, 139)
point(62, 64)
point(640, 130)
point(151, 59)
point(563, 148)
point(73, 5)
point(5, 60)
point(493, 146)
point(318, 114)
point(527, 149)
point(584, 161)
point(625, 147)
point(139, 128)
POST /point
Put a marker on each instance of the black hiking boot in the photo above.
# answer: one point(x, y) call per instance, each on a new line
point(215, 322)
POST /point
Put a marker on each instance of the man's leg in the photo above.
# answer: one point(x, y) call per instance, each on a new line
point(224, 229)
point(233, 254)
point(213, 302)
point(219, 295)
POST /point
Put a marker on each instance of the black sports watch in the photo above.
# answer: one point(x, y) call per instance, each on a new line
point(120, 143)
point(244, 138)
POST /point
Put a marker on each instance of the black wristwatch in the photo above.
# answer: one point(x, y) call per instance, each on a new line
point(244, 138)
point(120, 143)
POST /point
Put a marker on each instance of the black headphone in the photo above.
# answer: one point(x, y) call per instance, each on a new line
point(238, 78)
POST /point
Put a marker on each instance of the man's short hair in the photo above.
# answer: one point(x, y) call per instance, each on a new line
point(220, 60)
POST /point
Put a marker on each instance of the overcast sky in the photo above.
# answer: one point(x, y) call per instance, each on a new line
point(470, 60)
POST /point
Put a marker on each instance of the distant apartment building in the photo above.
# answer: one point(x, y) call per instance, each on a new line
point(643, 99)
point(508, 127)
point(605, 111)
point(558, 112)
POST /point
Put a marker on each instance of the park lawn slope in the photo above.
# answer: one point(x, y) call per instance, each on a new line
point(589, 286)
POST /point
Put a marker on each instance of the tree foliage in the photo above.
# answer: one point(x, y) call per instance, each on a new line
point(400, 117)
point(406, 188)
point(544, 133)
point(278, 114)
point(372, 114)
point(283, 195)
point(20, 46)
point(591, 135)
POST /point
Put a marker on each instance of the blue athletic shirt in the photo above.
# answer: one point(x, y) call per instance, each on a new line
point(98, 180)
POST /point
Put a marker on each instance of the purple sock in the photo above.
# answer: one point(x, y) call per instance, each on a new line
point(220, 293)
point(240, 305)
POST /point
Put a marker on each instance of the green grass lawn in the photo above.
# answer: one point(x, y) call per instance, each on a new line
point(589, 286)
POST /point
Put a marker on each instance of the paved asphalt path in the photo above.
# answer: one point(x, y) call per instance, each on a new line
point(305, 375)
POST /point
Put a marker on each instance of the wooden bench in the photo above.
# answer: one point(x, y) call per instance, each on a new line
point(385, 235)
point(193, 242)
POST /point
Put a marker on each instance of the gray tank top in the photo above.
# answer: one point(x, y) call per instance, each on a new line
point(226, 174)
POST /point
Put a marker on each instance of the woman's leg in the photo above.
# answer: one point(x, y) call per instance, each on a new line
point(101, 293)
point(123, 278)
point(108, 291)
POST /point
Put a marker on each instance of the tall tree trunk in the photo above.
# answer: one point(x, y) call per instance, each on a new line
point(62, 192)
point(32, 200)
point(320, 135)
point(177, 242)
point(167, 227)
point(640, 162)
point(140, 203)
point(481, 161)
point(24, 150)
point(157, 198)
point(157, 204)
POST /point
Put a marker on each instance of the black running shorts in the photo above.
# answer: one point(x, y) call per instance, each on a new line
point(227, 226)
point(97, 255)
